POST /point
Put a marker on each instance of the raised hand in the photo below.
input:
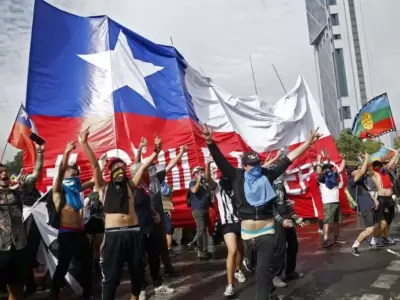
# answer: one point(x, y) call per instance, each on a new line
point(157, 144)
point(314, 136)
point(83, 136)
point(184, 148)
point(39, 148)
point(104, 159)
point(71, 146)
point(366, 157)
point(207, 133)
point(143, 142)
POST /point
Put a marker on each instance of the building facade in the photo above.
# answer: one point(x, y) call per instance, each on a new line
point(334, 34)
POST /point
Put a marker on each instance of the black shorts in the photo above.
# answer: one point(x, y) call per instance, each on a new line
point(13, 266)
point(231, 228)
point(371, 217)
point(386, 205)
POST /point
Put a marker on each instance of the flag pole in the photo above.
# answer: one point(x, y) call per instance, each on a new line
point(172, 42)
point(5, 147)
point(280, 80)
point(254, 77)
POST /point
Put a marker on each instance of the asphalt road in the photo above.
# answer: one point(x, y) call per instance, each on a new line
point(333, 274)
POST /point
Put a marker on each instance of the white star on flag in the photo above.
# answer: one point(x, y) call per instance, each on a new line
point(24, 114)
point(119, 68)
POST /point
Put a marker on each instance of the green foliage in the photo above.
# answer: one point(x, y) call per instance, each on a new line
point(15, 165)
point(351, 145)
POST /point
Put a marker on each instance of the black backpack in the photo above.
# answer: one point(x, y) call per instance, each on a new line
point(54, 215)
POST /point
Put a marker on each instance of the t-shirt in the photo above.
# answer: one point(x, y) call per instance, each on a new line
point(359, 192)
point(143, 210)
point(226, 210)
point(156, 197)
point(200, 200)
point(329, 195)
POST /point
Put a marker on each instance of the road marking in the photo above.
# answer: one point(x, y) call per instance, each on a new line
point(371, 297)
point(385, 281)
point(394, 266)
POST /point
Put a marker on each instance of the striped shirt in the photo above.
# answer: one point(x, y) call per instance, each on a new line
point(227, 211)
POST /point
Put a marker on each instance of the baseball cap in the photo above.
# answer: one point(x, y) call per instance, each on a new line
point(250, 158)
point(197, 169)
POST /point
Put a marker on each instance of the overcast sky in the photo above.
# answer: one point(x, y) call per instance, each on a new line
point(217, 36)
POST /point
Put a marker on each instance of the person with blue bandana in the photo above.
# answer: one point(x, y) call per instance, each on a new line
point(254, 200)
point(72, 239)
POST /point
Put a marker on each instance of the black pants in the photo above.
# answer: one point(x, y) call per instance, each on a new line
point(73, 245)
point(389, 214)
point(151, 243)
point(262, 248)
point(285, 251)
point(122, 245)
point(34, 238)
point(161, 234)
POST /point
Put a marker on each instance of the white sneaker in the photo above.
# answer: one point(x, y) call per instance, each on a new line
point(163, 289)
point(277, 281)
point(142, 295)
point(240, 276)
point(229, 291)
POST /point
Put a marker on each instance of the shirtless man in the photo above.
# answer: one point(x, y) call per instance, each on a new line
point(384, 187)
point(123, 240)
point(72, 240)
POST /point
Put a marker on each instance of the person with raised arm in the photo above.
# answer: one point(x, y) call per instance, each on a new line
point(123, 240)
point(16, 257)
point(153, 179)
point(254, 198)
point(72, 240)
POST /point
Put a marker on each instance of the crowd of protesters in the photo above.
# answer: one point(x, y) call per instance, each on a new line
point(128, 218)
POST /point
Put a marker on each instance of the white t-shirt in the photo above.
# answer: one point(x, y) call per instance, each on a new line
point(329, 195)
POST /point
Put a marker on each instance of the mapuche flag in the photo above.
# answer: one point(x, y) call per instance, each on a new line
point(374, 119)
point(383, 154)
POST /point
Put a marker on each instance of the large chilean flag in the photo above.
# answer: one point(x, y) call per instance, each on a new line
point(91, 71)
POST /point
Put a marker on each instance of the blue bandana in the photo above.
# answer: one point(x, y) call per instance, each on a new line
point(72, 188)
point(257, 188)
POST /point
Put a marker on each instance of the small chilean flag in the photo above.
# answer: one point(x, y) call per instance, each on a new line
point(20, 136)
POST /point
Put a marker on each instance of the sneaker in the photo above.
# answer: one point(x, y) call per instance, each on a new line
point(163, 289)
point(327, 244)
point(355, 252)
point(171, 272)
point(294, 275)
point(248, 265)
point(376, 245)
point(171, 253)
point(240, 276)
point(338, 240)
point(278, 282)
point(388, 240)
point(274, 296)
point(396, 239)
point(142, 295)
point(229, 291)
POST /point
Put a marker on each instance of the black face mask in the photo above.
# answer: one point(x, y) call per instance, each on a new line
point(116, 174)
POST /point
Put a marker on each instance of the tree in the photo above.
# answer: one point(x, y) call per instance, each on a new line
point(351, 145)
point(16, 164)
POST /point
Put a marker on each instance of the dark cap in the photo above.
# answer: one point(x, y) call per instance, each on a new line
point(250, 158)
point(75, 167)
point(113, 161)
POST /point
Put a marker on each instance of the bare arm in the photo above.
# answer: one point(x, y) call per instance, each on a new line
point(271, 161)
point(393, 161)
point(139, 174)
point(97, 173)
point(175, 160)
point(57, 185)
point(210, 182)
point(32, 178)
point(314, 136)
point(196, 187)
point(143, 143)
point(360, 173)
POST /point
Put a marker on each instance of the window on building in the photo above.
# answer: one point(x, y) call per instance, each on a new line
point(332, 2)
point(341, 73)
point(345, 113)
point(337, 37)
point(335, 19)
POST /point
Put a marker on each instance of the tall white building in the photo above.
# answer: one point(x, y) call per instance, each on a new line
point(343, 63)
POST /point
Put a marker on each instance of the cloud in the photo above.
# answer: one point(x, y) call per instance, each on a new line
point(217, 36)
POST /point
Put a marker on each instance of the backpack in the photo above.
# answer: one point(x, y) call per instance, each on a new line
point(54, 215)
point(330, 179)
